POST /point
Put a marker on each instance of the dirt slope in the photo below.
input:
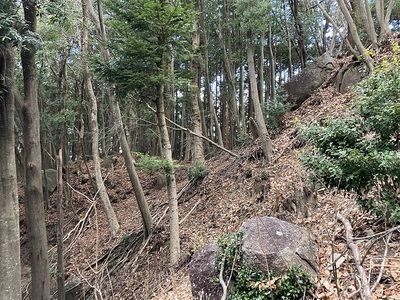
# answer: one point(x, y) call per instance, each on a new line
point(128, 268)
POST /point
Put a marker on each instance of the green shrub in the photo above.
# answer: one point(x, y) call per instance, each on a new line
point(197, 170)
point(251, 284)
point(242, 139)
point(274, 114)
point(264, 174)
point(360, 153)
point(151, 164)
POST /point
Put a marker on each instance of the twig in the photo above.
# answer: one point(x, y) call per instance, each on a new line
point(379, 234)
point(365, 288)
point(383, 263)
point(221, 279)
point(187, 215)
point(195, 134)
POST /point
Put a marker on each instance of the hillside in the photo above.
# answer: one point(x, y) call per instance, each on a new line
point(127, 267)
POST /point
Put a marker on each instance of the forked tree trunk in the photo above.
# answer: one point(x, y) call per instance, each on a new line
point(171, 183)
point(10, 266)
point(111, 217)
point(266, 143)
point(34, 207)
point(353, 30)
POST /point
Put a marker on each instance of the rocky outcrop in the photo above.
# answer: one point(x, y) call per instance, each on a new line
point(269, 244)
point(349, 75)
point(49, 180)
point(303, 85)
point(202, 275)
point(273, 244)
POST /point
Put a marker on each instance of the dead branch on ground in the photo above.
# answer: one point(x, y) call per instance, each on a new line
point(365, 290)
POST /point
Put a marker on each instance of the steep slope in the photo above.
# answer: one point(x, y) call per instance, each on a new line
point(129, 268)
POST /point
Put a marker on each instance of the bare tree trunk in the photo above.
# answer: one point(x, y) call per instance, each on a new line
point(129, 162)
point(261, 70)
point(10, 265)
point(383, 18)
point(29, 115)
point(206, 70)
point(60, 231)
point(134, 178)
point(171, 183)
point(198, 150)
point(370, 24)
point(266, 143)
point(272, 64)
point(111, 217)
point(353, 31)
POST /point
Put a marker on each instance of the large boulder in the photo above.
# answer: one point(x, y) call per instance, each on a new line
point(269, 244)
point(49, 180)
point(202, 274)
point(349, 75)
point(303, 85)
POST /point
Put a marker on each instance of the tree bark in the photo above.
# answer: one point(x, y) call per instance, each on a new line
point(111, 217)
point(266, 143)
point(207, 83)
point(60, 230)
point(29, 115)
point(10, 265)
point(353, 31)
point(133, 176)
point(198, 150)
point(126, 152)
point(170, 174)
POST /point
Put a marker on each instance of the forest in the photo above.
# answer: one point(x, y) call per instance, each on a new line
point(157, 102)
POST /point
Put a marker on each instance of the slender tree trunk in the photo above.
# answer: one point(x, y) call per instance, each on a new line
point(273, 64)
point(354, 33)
point(133, 176)
point(370, 24)
point(94, 127)
point(266, 143)
point(10, 265)
point(129, 162)
point(60, 230)
point(261, 70)
point(198, 150)
point(171, 183)
point(207, 83)
point(29, 115)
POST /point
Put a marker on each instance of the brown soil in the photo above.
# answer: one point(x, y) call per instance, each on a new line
point(126, 267)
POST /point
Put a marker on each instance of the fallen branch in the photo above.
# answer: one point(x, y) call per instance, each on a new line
point(221, 279)
point(377, 281)
point(195, 134)
point(365, 290)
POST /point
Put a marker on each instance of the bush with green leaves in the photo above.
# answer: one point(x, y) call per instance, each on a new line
point(274, 113)
point(251, 283)
point(152, 164)
point(197, 171)
point(360, 152)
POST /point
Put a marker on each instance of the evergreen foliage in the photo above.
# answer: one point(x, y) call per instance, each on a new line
point(360, 152)
point(142, 34)
point(197, 170)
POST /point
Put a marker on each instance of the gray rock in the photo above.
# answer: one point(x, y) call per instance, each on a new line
point(273, 244)
point(49, 181)
point(303, 85)
point(203, 279)
point(269, 244)
point(349, 75)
